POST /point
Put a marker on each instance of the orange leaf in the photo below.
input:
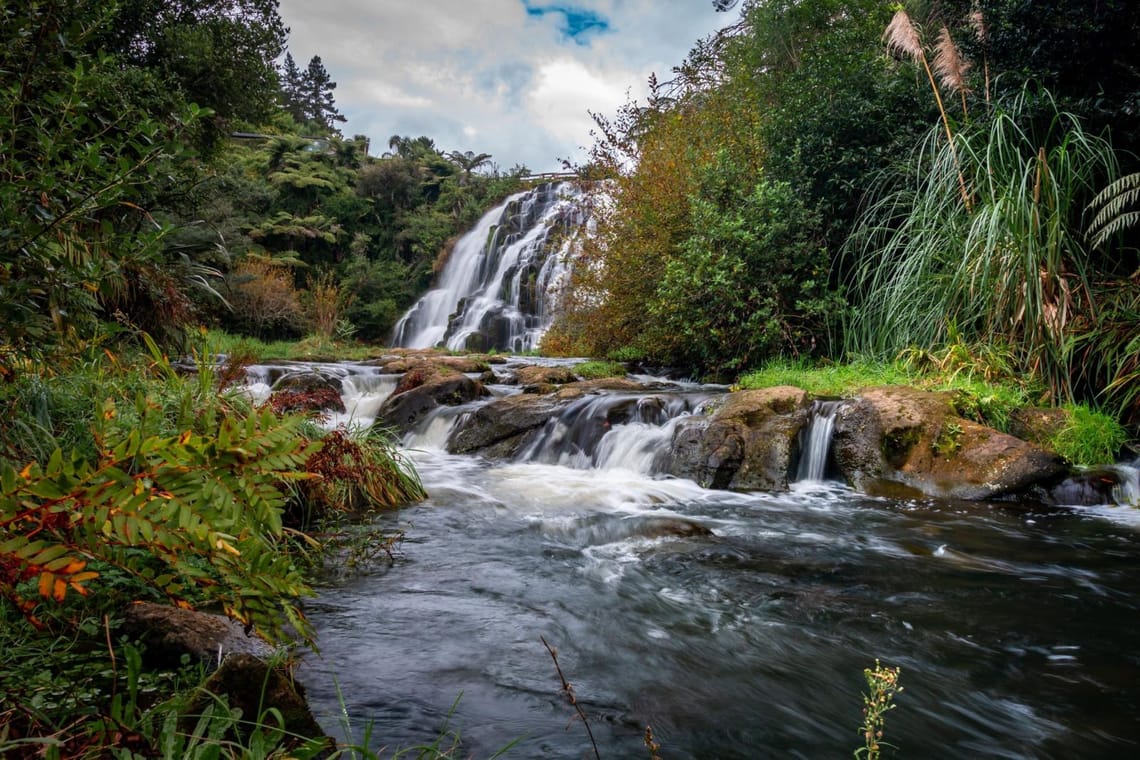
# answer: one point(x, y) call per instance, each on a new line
point(73, 567)
point(46, 581)
point(26, 473)
point(59, 591)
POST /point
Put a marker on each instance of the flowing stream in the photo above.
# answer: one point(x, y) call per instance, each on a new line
point(736, 625)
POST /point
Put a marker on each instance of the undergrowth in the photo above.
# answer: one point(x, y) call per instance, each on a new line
point(596, 370)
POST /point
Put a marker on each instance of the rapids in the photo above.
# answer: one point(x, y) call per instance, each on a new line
point(736, 625)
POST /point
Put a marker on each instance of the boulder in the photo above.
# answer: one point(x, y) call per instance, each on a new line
point(501, 428)
point(170, 632)
point(465, 364)
point(1037, 425)
point(423, 389)
point(745, 445)
point(898, 436)
point(542, 379)
point(307, 391)
point(256, 688)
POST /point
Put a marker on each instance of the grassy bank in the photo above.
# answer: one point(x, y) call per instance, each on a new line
point(1086, 437)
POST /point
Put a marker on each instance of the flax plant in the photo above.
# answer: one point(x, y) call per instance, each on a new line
point(1011, 269)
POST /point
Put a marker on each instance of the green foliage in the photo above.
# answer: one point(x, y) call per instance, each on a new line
point(85, 158)
point(1089, 437)
point(749, 282)
point(207, 507)
point(594, 370)
point(1007, 267)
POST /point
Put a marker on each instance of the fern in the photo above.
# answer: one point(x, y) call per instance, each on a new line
point(1111, 206)
point(208, 507)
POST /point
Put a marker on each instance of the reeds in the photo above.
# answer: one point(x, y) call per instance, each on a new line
point(1012, 270)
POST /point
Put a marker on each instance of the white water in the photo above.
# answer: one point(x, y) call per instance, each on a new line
point(736, 624)
point(816, 441)
point(502, 280)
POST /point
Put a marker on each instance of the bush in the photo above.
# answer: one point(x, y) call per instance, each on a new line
point(749, 282)
point(264, 300)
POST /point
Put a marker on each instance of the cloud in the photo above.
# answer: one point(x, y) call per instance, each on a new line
point(513, 78)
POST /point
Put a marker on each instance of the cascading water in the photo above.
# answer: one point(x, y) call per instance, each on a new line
point(502, 279)
point(614, 431)
point(736, 624)
point(815, 441)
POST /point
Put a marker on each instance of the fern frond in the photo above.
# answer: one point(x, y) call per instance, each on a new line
point(1111, 205)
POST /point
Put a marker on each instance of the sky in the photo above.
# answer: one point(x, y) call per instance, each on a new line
point(513, 78)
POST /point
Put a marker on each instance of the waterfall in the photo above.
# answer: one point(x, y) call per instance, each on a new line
point(502, 279)
point(815, 441)
point(1126, 492)
point(616, 431)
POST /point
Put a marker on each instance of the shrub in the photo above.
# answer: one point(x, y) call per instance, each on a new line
point(595, 370)
point(264, 300)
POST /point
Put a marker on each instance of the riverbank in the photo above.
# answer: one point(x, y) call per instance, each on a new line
point(83, 635)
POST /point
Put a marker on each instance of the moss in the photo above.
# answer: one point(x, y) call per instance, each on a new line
point(896, 445)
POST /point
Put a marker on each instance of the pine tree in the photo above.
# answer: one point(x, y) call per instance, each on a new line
point(292, 85)
point(317, 96)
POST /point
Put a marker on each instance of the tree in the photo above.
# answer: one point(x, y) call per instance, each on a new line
point(218, 54)
point(317, 100)
point(292, 85)
point(83, 166)
point(468, 161)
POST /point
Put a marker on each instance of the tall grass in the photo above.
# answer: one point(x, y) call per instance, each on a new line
point(1009, 267)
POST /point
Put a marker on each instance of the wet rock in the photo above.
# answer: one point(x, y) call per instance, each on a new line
point(498, 429)
point(902, 436)
point(745, 445)
point(307, 391)
point(424, 388)
point(1087, 488)
point(170, 632)
point(501, 428)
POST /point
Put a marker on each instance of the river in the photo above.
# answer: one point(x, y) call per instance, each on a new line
point(736, 625)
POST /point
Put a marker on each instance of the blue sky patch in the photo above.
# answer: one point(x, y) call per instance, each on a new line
point(576, 23)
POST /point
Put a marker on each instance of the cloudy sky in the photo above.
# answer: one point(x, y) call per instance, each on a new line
point(513, 78)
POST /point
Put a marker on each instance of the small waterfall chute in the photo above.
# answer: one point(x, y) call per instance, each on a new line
point(815, 442)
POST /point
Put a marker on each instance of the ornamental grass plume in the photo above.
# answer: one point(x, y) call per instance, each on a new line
point(982, 33)
point(951, 67)
point(903, 37)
